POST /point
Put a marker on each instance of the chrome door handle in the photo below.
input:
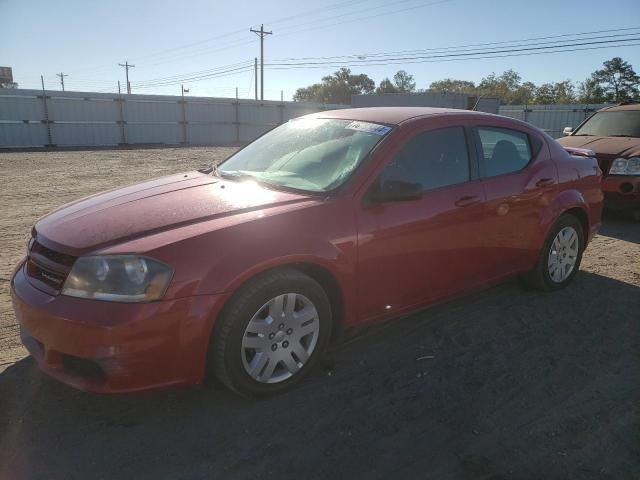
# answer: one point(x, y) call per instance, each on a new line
point(466, 201)
point(545, 182)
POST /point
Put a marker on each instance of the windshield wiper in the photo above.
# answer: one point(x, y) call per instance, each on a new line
point(236, 175)
point(582, 135)
point(619, 135)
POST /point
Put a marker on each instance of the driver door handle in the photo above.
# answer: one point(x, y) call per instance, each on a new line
point(466, 201)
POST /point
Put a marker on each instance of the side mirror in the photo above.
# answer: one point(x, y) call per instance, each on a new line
point(395, 191)
point(567, 131)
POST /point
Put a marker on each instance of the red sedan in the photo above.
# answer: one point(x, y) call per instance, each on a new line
point(330, 221)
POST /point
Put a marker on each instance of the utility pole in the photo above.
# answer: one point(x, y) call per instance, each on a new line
point(183, 106)
point(61, 75)
point(127, 66)
point(261, 33)
point(255, 74)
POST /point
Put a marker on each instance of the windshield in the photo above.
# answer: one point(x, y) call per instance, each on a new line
point(314, 155)
point(612, 124)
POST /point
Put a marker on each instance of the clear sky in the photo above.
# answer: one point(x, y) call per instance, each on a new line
point(87, 39)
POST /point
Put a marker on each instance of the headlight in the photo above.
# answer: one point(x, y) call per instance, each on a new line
point(118, 278)
point(625, 166)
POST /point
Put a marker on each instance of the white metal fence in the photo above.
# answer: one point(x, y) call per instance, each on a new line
point(551, 118)
point(29, 118)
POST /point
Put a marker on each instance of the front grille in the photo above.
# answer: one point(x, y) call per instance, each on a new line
point(48, 267)
point(50, 278)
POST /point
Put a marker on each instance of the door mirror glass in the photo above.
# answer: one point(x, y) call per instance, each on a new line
point(567, 131)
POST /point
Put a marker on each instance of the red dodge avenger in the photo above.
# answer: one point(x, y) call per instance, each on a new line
point(330, 221)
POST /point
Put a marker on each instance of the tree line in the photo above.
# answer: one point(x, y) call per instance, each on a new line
point(615, 82)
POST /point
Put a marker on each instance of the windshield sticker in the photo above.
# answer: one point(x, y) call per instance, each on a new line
point(368, 128)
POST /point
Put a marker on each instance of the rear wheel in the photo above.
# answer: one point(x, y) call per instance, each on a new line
point(560, 257)
point(271, 334)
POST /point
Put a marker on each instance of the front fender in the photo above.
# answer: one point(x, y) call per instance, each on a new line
point(220, 260)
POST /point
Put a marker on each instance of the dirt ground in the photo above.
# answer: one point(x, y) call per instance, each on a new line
point(507, 383)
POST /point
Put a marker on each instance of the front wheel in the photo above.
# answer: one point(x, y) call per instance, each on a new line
point(271, 334)
point(560, 257)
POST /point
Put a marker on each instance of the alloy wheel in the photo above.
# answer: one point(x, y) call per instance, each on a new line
point(563, 254)
point(280, 338)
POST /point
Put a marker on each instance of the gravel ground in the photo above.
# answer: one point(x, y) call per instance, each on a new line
point(507, 383)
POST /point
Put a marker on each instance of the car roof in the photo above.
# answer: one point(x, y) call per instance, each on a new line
point(622, 107)
point(389, 115)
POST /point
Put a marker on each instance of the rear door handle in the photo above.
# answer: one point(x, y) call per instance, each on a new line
point(466, 201)
point(545, 182)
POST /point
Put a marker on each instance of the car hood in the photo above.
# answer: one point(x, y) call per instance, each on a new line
point(113, 217)
point(606, 146)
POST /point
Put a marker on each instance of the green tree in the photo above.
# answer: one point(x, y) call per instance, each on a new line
point(402, 83)
point(618, 80)
point(524, 94)
point(336, 88)
point(504, 86)
point(450, 85)
point(590, 91)
point(555, 92)
point(387, 86)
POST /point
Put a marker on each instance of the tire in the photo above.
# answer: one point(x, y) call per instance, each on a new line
point(260, 344)
point(552, 270)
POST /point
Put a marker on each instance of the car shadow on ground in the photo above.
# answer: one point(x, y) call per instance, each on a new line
point(505, 383)
point(620, 226)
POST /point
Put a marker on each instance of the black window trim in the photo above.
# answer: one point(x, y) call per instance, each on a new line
point(473, 171)
point(480, 150)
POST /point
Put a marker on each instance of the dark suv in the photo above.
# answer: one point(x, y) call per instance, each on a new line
point(613, 133)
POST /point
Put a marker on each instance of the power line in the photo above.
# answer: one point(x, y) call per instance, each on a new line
point(237, 43)
point(187, 78)
point(395, 60)
point(236, 32)
point(393, 11)
point(189, 45)
point(287, 31)
point(457, 47)
point(359, 58)
point(355, 60)
point(234, 71)
point(461, 59)
point(200, 72)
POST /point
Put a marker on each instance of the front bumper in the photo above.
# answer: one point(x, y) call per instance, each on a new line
point(621, 192)
point(109, 347)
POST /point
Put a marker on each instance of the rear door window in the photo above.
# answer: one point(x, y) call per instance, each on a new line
point(504, 150)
